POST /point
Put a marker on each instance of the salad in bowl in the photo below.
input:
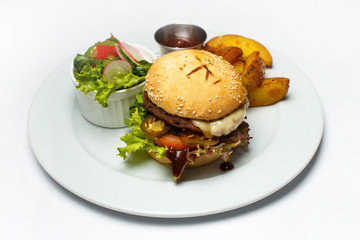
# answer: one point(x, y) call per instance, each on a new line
point(107, 77)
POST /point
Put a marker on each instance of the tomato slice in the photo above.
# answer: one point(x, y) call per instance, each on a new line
point(172, 142)
point(103, 51)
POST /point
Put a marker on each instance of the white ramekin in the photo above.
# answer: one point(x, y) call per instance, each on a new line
point(119, 102)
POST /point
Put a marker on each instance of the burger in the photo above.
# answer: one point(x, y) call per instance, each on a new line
point(191, 111)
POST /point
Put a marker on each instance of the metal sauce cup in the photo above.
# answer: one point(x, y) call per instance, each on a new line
point(176, 37)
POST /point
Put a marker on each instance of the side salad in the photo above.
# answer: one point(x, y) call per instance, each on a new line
point(109, 66)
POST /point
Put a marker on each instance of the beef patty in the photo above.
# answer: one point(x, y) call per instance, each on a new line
point(173, 120)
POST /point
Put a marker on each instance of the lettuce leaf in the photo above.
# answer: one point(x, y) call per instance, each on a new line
point(81, 60)
point(137, 140)
point(91, 79)
point(238, 138)
point(142, 69)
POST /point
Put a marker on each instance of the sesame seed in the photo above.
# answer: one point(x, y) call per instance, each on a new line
point(209, 99)
point(193, 112)
point(209, 111)
point(220, 111)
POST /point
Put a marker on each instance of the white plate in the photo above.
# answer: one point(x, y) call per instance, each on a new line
point(82, 157)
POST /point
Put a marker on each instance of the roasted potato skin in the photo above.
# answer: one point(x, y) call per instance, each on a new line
point(230, 54)
point(271, 91)
point(247, 46)
point(239, 66)
point(254, 71)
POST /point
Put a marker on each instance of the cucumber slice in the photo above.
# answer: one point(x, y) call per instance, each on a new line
point(131, 51)
point(114, 67)
point(124, 54)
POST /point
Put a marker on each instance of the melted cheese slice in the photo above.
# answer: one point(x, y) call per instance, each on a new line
point(223, 126)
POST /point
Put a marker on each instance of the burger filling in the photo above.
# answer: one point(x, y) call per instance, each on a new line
point(182, 140)
point(173, 120)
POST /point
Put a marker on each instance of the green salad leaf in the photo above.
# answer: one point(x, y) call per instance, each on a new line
point(81, 60)
point(141, 70)
point(88, 78)
point(137, 140)
point(91, 79)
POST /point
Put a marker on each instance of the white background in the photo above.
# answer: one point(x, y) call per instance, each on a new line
point(321, 37)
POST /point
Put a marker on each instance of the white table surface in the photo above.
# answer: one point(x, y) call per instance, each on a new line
point(321, 37)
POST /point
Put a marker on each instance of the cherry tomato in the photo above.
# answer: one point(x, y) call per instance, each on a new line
point(103, 51)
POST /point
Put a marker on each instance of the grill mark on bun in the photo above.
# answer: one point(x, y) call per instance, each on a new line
point(208, 72)
point(194, 70)
point(217, 81)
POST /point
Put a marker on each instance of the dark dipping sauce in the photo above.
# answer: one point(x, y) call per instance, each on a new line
point(178, 160)
point(177, 42)
point(226, 166)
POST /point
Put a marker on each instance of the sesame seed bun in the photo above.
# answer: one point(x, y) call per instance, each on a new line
point(199, 161)
point(195, 84)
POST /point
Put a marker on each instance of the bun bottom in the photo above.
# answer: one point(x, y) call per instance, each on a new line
point(199, 161)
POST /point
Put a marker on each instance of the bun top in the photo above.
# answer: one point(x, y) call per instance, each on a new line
point(195, 84)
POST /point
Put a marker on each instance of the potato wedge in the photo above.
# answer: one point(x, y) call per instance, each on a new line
point(254, 71)
point(247, 46)
point(230, 54)
point(271, 91)
point(239, 66)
